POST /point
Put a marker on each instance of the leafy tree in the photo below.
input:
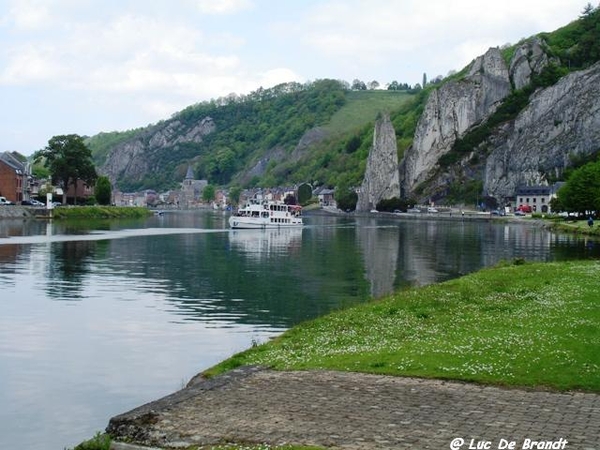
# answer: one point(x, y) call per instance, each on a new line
point(304, 193)
point(373, 84)
point(346, 198)
point(234, 194)
point(581, 192)
point(392, 204)
point(358, 85)
point(208, 193)
point(103, 190)
point(40, 171)
point(68, 159)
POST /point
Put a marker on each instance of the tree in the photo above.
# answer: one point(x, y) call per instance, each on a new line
point(358, 85)
point(304, 193)
point(68, 159)
point(234, 194)
point(345, 198)
point(103, 190)
point(581, 192)
point(373, 84)
point(208, 193)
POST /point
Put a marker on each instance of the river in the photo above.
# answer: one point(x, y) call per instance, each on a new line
point(97, 318)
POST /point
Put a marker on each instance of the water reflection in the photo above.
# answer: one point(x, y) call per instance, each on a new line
point(161, 299)
point(380, 250)
point(259, 244)
point(68, 266)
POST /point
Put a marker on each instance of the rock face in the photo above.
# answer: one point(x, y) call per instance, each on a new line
point(450, 111)
point(561, 122)
point(131, 159)
point(529, 58)
point(382, 179)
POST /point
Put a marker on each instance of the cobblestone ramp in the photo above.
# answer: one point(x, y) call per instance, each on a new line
point(361, 411)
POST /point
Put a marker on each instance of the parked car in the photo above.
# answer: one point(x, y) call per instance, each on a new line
point(414, 210)
point(431, 209)
point(518, 212)
point(3, 201)
point(32, 202)
point(525, 208)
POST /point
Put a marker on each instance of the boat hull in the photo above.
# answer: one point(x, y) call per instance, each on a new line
point(236, 222)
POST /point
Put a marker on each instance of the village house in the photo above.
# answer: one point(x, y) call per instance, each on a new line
point(79, 191)
point(537, 197)
point(325, 196)
point(14, 178)
point(267, 194)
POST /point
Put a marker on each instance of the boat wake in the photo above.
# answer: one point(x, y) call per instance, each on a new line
point(103, 235)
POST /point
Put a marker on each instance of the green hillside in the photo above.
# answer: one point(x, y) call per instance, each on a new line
point(363, 107)
point(266, 125)
point(102, 143)
point(257, 135)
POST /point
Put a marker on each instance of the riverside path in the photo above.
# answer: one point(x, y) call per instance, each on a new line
point(348, 410)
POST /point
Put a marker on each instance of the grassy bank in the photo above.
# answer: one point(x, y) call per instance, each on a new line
point(531, 325)
point(577, 227)
point(100, 212)
point(103, 442)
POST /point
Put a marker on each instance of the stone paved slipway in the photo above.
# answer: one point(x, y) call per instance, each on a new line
point(359, 411)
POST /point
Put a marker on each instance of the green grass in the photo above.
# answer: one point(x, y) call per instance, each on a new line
point(99, 212)
point(531, 325)
point(255, 447)
point(578, 227)
point(362, 107)
point(102, 441)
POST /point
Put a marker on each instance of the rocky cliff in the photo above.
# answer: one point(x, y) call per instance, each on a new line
point(133, 159)
point(560, 124)
point(451, 111)
point(381, 177)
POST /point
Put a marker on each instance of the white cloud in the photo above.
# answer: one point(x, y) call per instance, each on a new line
point(29, 15)
point(223, 6)
point(377, 33)
point(141, 61)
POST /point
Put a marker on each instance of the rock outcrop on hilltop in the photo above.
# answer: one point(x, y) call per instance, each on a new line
point(382, 179)
point(560, 124)
point(529, 59)
point(451, 111)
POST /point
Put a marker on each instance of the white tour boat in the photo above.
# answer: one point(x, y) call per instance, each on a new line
point(267, 215)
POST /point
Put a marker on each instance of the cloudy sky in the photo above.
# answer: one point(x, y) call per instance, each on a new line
point(86, 66)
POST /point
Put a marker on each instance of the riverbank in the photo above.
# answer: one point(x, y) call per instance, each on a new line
point(527, 325)
point(73, 212)
point(100, 212)
point(347, 380)
point(15, 212)
point(574, 227)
